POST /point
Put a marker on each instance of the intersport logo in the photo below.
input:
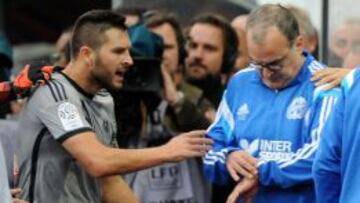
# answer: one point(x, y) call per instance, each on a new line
point(269, 150)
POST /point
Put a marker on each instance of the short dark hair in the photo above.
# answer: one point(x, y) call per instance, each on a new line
point(276, 15)
point(157, 19)
point(230, 39)
point(90, 27)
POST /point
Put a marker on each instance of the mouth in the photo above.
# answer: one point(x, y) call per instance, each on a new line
point(120, 74)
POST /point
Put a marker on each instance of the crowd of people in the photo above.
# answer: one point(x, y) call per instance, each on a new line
point(243, 112)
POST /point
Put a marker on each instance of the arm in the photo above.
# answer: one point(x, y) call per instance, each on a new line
point(188, 114)
point(115, 190)
point(326, 168)
point(221, 133)
point(99, 160)
point(297, 170)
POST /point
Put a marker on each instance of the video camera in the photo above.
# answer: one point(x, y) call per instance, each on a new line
point(146, 51)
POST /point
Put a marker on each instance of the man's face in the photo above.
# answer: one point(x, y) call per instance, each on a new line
point(276, 61)
point(112, 59)
point(205, 51)
point(170, 58)
point(344, 39)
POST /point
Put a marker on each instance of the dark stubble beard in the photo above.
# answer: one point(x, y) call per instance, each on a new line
point(101, 77)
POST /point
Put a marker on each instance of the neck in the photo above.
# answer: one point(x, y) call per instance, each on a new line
point(80, 74)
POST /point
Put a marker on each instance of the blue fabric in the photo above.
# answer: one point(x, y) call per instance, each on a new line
point(336, 168)
point(144, 43)
point(5, 51)
point(279, 127)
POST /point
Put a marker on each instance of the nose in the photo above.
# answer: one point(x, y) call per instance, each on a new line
point(128, 61)
point(195, 52)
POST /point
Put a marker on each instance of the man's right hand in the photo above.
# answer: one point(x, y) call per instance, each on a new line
point(241, 163)
point(187, 145)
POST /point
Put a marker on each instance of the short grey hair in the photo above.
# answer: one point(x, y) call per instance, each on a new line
point(269, 15)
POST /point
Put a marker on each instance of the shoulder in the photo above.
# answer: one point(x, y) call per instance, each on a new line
point(53, 91)
point(350, 80)
point(104, 97)
point(243, 76)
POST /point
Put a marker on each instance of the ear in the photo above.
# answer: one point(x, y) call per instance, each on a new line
point(87, 54)
point(299, 43)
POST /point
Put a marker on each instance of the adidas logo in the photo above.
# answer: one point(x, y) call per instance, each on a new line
point(251, 147)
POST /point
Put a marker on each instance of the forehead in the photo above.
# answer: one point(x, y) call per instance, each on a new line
point(206, 34)
point(116, 37)
point(264, 45)
point(166, 31)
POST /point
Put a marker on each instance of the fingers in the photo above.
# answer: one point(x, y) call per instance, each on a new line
point(47, 69)
point(19, 201)
point(247, 161)
point(241, 163)
point(15, 191)
point(326, 79)
point(234, 175)
point(330, 76)
point(319, 74)
point(201, 141)
point(195, 133)
point(246, 172)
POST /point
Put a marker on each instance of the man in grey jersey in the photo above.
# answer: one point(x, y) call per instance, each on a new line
point(68, 124)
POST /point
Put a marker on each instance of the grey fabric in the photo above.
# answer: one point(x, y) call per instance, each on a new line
point(4, 186)
point(54, 113)
point(7, 139)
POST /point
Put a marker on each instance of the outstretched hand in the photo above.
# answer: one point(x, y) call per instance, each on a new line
point(188, 145)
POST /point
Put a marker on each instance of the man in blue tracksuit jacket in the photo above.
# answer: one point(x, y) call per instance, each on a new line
point(269, 121)
point(336, 166)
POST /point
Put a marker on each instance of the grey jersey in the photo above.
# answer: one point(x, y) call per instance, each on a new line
point(4, 184)
point(56, 111)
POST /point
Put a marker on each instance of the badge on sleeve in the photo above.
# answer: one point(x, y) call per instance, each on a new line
point(69, 116)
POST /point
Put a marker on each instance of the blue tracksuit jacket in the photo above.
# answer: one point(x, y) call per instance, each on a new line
point(279, 127)
point(336, 167)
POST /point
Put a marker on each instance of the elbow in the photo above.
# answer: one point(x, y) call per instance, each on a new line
point(97, 168)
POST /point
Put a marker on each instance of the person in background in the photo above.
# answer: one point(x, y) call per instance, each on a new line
point(133, 15)
point(62, 55)
point(211, 46)
point(242, 59)
point(307, 30)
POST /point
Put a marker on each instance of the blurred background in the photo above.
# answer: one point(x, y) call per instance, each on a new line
point(32, 27)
